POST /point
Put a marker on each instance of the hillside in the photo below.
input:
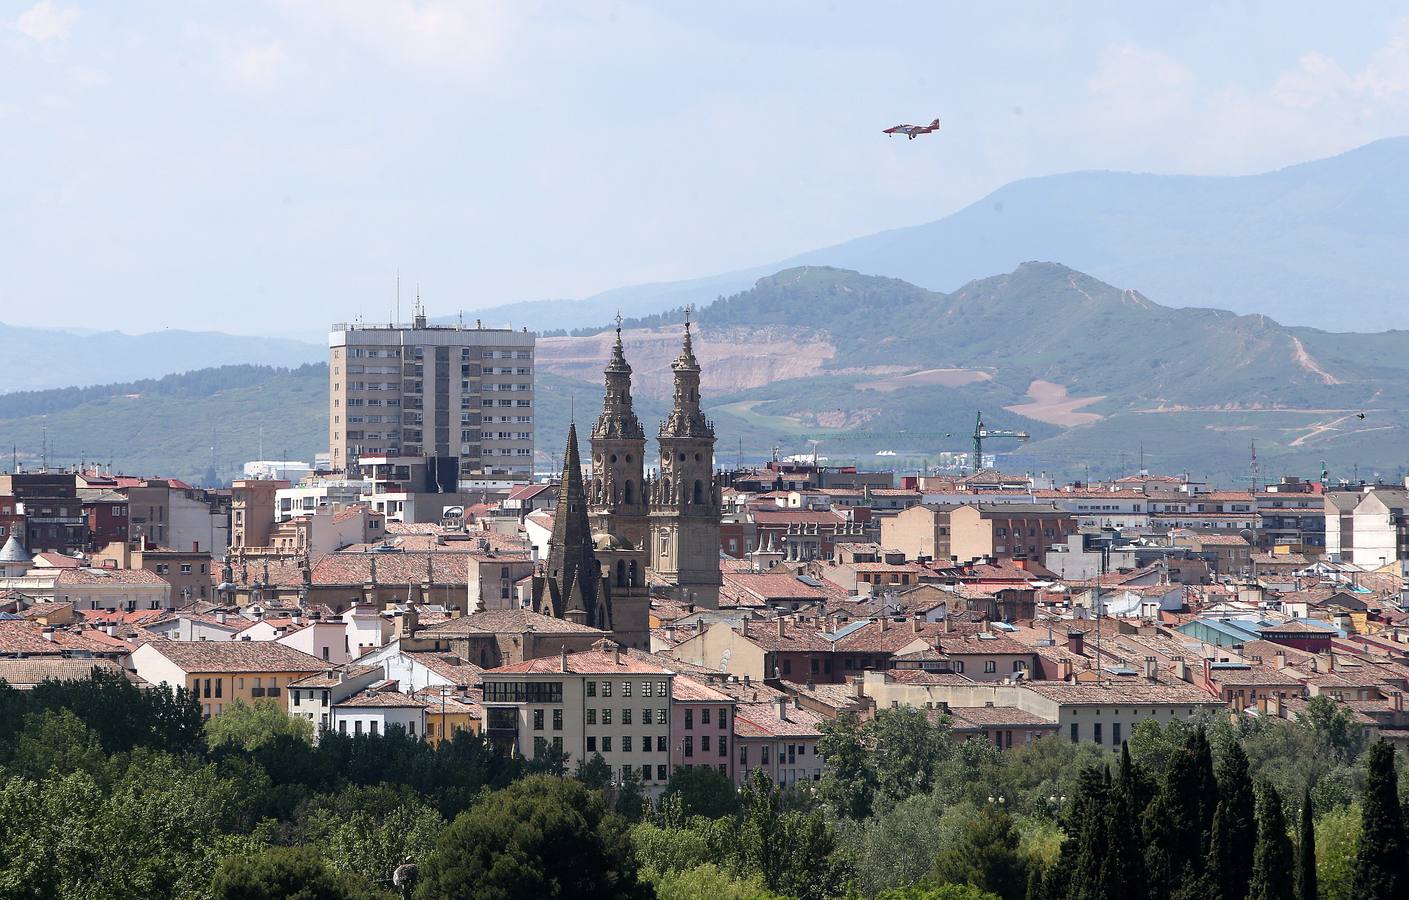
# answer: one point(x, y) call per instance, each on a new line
point(1321, 244)
point(1090, 370)
point(40, 358)
point(168, 426)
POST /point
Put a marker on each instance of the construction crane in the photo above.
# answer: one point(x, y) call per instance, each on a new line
point(981, 433)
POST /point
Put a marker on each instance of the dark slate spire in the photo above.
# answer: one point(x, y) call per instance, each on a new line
point(572, 564)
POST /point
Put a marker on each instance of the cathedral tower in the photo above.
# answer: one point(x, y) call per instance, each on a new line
point(685, 501)
point(617, 503)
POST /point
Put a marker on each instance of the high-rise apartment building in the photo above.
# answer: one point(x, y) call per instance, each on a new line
point(460, 396)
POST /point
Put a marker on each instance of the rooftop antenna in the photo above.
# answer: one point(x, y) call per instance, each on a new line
point(44, 448)
point(398, 297)
point(1252, 470)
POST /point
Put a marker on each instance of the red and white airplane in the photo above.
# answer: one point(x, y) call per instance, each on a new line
point(913, 131)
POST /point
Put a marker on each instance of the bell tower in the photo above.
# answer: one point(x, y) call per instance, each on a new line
point(617, 493)
point(685, 500)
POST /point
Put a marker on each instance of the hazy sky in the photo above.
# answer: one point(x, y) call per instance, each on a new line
point(267, 167)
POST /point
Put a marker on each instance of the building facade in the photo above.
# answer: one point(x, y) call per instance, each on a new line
point(457, 395)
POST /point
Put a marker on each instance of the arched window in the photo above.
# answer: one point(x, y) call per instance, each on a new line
point(620, 574)
point(628, 494)
point(699, 491)
point(635, 575)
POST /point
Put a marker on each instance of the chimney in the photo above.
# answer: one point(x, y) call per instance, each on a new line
point(746, 628)
point(562, 659)
point(1277, 706)
point(616, 655)
point(915, 625)
point(48, 633)
point(1076, 642)
point(220, 617)
point(748, 680)
point(783, 708)
point(297, 618)
point(1315, 663)
point(948, 623)
point(1239, 703)
point(342, 674)
point(1151, 669)
point(1064, 668)
point(1397, 698)
point(1208, 670)
point(782, 626)
point(860, 686)
point(1281, 657)
point(1181, 668)
point(885, 623)
point(110, 631)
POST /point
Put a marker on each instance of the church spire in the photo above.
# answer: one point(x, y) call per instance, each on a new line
point(618, 419)
point(686, 418)
point(572, 564)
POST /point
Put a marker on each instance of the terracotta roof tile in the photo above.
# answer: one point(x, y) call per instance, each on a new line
point(237, 656)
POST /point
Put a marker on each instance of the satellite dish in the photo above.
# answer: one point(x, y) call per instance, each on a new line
point(724, 659)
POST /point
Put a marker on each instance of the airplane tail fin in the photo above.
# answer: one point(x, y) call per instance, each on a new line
point(934, 124)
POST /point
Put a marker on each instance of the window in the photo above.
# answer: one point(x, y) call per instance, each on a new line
point(723, 717)
point(704, 716)
point(538, 720)
point(662, 690)
point(558, 719)
point(1096, 732)
point(645, 689)
point(689, 718)
point(990, 666)
point(662, 773)
point(660, 743)
point(689, 745)
point(626, 716)
point(646, 716)
point(723, 745)
point(606, 689)
point(219, 684)
point(626, 689)
point(607, 743)
point(661, 717)
point(704, 743)
point(1075, 732)
point(591, 688)
point(591, 717)
point(959, 666)
point(1115, 734)
point(606, 717)
point(743, 754)
point(626, 743)
point(591, 744)
point(787, 667)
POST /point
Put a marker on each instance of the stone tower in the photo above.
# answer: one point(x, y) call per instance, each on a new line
point(617, 504)
point(571, 586)
point(617, 493)
point(685, 501)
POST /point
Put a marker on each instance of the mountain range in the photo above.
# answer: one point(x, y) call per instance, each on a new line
point(872, 370)
point(1324, 244)
point(41, 358)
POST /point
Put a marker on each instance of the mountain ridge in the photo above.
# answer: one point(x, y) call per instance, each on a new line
point(1294, 242)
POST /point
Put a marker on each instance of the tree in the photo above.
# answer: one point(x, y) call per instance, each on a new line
point(1087, 828)
point(1380, 862)
point(1306, 852)
point(279, 873)
point(1272, 866)
point(1124, 875)
point(1178, 822)
point(540, 837)
point(904, 750)
point(1230, 866)
point(251, 727)
point(595, 772)
point(708, 882)
point(1337, 838)
point(928, 890)
point(1333, 724)
point(703, 791)
point(986, 856)
point(791, 852)
point(848, 782)
point(57, 741)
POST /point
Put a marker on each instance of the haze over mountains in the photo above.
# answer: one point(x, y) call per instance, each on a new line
point(1325, 243)
point(40, 358)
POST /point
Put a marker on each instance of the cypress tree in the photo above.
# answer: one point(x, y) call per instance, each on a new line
point(1306, 851)
point(1124, 876)
point(1220, 853)
point(1380, 860)
point(1087, 832)
point(1272, 858)
point(1233, 867)
point(1179, 820)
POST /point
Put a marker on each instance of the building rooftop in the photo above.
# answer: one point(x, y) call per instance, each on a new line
point(237, 656)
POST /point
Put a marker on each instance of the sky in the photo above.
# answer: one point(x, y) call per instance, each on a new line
point(270, 167)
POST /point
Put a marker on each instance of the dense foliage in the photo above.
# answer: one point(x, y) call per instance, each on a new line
point(110, 791)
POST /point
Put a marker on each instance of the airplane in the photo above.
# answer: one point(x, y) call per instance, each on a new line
point(912, 131)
